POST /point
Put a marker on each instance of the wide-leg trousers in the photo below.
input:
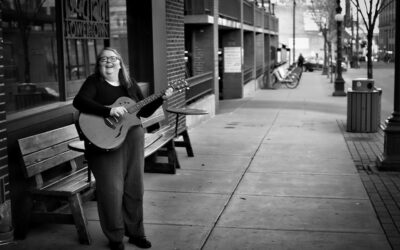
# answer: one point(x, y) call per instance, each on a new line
point(119, 186)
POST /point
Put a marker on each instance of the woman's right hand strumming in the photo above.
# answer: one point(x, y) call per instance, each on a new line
point(118, 111)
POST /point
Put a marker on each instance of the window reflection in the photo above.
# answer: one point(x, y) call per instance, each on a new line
point(30, 48)
point(80, 62)
point(76, 62)
point(118, 28)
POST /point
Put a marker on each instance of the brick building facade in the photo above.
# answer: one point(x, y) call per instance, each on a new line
point(5, 201)
point(387, 30)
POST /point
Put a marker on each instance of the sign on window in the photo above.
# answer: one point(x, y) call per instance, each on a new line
point(87, 19)
point(232, 60)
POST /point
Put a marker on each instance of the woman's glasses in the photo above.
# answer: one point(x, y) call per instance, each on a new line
point(105, 59)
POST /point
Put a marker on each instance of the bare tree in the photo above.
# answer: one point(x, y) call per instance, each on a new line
point(323, 12)
point(369, 11)
point(323, 9)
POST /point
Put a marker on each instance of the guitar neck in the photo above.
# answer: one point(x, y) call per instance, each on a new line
point(137, 106)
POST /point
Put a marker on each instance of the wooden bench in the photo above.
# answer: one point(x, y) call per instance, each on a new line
point(60, 181)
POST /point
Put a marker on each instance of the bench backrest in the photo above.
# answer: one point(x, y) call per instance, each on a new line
point(156, 118)
point(47, 150)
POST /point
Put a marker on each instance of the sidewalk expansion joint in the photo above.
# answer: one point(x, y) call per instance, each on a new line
point(305, 230)
point(239, 181)
point(301, 197)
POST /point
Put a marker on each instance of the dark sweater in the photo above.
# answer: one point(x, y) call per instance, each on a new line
point(96, 95)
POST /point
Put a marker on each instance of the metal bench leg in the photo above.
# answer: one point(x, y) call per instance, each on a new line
point(80, 220)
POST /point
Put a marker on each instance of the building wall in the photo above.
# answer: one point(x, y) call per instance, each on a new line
point(387, 31)
point(175, 53)
point(5, 203)
point(202, 49)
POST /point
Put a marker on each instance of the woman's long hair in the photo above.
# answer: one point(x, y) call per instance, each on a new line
point(123, 75)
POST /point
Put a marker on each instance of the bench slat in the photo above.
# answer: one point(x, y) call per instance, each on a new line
point(47, 153)
point(49, 163)
point(156, 117)
point(74, 183)
point(150, 138)
point(47, 139)
point(168, 133)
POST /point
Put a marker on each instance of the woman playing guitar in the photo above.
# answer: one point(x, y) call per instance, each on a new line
point(118, 172)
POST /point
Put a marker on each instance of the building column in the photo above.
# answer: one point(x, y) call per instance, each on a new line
point(215, 54)
point(233, 64)
point(267, 61)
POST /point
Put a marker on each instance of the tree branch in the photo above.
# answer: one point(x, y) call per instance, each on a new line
point(384, 6)
point(375, 15)
point(357, 4)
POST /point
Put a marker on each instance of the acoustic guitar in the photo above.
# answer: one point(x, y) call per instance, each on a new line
point(108, 133)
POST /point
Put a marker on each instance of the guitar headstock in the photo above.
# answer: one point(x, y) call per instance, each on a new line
point(179, 85)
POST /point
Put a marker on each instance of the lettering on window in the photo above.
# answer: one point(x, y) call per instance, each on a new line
point(86, 19)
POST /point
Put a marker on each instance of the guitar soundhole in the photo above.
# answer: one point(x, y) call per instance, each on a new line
point(109, 122)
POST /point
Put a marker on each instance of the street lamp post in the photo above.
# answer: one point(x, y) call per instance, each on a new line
point(324, 33)
point(357, 41)
point(390, 158)
point(339, 82)
point(294, 31)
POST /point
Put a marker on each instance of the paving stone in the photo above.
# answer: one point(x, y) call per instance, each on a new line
point(183, 208)
point(171, 237)
point(292, 213)
point(303, 185)
point(217, 162)
point(221, 182)
point(252, 239)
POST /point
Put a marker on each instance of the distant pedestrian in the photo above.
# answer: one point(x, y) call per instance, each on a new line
point(300, 61)
point(300, 64)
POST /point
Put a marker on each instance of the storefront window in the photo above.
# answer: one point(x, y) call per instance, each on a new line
point(118, 28)
point(80, 62)
point(32, 75)
point(86, 31)
point(30, 53)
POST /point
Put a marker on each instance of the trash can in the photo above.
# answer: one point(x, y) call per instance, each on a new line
point(363, 106)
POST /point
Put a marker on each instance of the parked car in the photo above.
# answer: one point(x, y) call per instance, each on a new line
point(312, 63)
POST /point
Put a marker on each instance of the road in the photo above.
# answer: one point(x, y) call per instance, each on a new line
point(383, 75)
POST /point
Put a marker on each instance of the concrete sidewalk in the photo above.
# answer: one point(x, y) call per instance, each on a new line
point(270, 172)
